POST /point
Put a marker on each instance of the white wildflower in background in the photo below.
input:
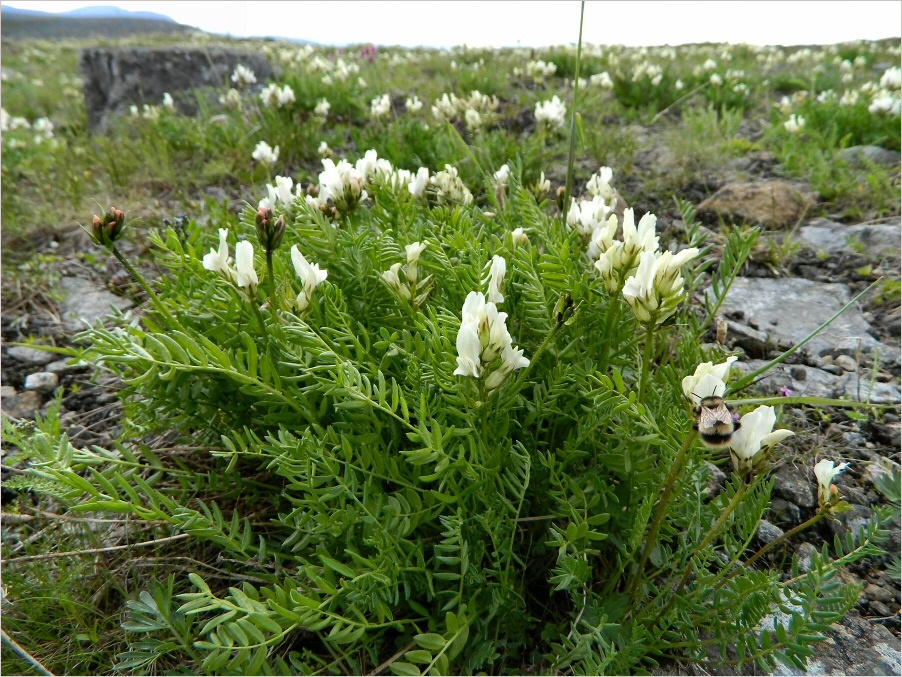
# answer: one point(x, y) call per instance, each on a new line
point(599, 184)
point(484, 346)
point(551, 113)
point(168, 103)
point(265, 154)
point(413, 104)
point(495, 279)
point(891, 78)
point(231, 99)
point(279, 193)
point(322, 108)
point(502, 176)
point(419, 182)
point(323, 149)
point(825, 472)
point(794, 124)
point(311, 277)
point(449, 190)
point(243, 76)
point(274, 96)
point(708, 380)
point(541, 188)
point(245, 275)
point(755, 434)
point(715, 80)
point(602, 80)
point(539, 70)
point(218, 260)
point(472, 119)
point(341, 183)
point(44, 129)
point(380, 106)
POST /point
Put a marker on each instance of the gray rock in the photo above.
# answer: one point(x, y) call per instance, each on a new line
point(851, 521)
point(22, 405)
point(794, 485)
point(821, 383)
point(63, 367)
point(785, 512)
point(860, 156)
point(883, 467)
point(824, 235)
point(878, 593)
point(846, 363)
point(805, 551)
point(852, 647)
point(717, 479)
point(767, 532)
point(42, 381)
point(789, 309)
point(118, 77)
point(30, 355)
point(87, 302)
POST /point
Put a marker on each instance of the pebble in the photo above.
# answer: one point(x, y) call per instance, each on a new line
point(7, 391)
point(767, 532)
point(42, 381)
point(880, 609)
point(805, 551)
point(878, 593)
point(30, 355)
point(63, 366)
point(845, 362)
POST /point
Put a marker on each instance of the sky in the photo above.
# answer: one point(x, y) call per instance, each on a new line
point(528, 23)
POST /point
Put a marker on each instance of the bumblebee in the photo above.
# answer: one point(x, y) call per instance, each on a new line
point(715, 422)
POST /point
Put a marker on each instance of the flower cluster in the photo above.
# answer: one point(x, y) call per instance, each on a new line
point(476, 110)
point(380, 106)
point(551, 114)
point(484, 345)
point(539, 70)
point(311, 277)
point(754, 438)
point(322, 108)
point(243, 76)
point(656, 288)
point(219, 261)
point(274, 96)
point(265, 154)
point(448, 189)
point(415, 291)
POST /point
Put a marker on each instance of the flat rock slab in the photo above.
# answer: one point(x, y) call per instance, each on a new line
point(773, 204)
point(787, 310)
point(86, 301)
point(860, 156)
point(877, 239)
point(118, 77)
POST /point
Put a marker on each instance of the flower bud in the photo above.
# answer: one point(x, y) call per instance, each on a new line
point(106, 230)
point(269, 232)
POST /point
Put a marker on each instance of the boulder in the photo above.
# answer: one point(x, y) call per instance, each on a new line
point(118, 77)
point(773, 204)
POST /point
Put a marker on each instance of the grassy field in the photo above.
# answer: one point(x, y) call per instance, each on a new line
point(211, 476)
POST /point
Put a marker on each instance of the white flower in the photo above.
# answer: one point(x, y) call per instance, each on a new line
point(245, 275)
point(709, 379)
point(472, 119)
point(322, 108)
point(380, 106)
point(656, 289)
point(231, 99)
point(551, 113)
point(243, 76)
point(418, 182)
point(716, 80)
point(756, 432)
point(413, 252)
point(469, 346)
point(892, 78)
point(518, 235)
point(482, 339)
point(323, 149)
point(641, 239)
point(495, 279)
point(167, 101)
point(413, 104)
point(393, 280)
point(449, 189)
point(218, 261)
point(310, 274)
point(265, 154)
point(343, 184)
point(794, 124)
point(503, 175)
point(825, 472)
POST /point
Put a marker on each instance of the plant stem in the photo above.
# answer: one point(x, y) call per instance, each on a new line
point(669, 483)
point(571, 155)
point(646, 360)
point(154, 299)
point(610, 319)
point(252, 298)
point(272, 280)
point(789, 534)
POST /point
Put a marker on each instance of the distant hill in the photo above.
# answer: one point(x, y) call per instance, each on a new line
point(84, 22)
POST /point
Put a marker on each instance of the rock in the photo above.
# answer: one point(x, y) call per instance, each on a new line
point(752, 341)
point(852, 647)
point(789, 309)
point(794, 485)
point(42, 381)
point(805, 551)
point(118, 77)
point(821, 383)
point(7, 391)
point(878, 593)
point(851, 521)
point(30, 355)
point(87, 302)
point(882, 468)
point(846, 363)
point(767, 532)
point(63, 367)
point(717, 479)
point(785, 512)
point(22, 405)
point(880, 609)
point(824, 235)
point(861, 156)
point(774, 204)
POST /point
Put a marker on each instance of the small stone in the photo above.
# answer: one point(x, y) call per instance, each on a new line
point(767, 532)
point(845, 362)
point(42, 381)
point(30, 355)
point(880, 609)
point(798, 373)
point(23, 405)
point(7, 391)
point(63, 366)
point(792, 484)
point(785, 512)
point(853, 439)
point(805, 551)
point(878, 593)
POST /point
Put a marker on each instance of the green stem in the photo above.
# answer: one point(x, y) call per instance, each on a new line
point(610, 319)
point(571, 154)
point(154, 299)
point(271, 279)
point(646, 360)
point(658, 518)
point(789, 534)
point(252, 298)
